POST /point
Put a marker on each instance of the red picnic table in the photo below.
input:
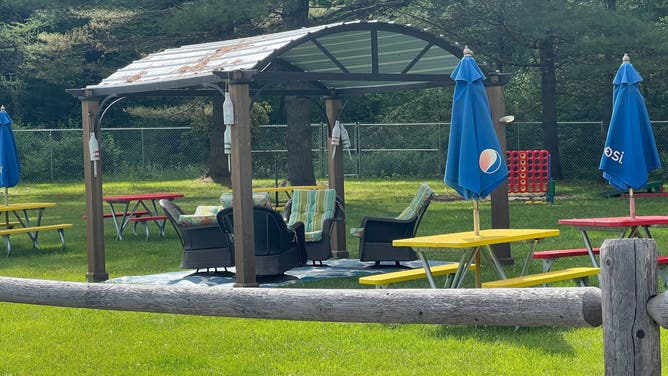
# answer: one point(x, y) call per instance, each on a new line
point(624, 226)
point(149, 212)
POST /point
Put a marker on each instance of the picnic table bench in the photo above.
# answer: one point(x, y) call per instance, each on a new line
point(549, 257)
point(580, 275)
point(33, 231)
point(385, 279)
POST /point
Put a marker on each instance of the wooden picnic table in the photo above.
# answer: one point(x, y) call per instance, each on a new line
point(26, 224)
point(145, 202)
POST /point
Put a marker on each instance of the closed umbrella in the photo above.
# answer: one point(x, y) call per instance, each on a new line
point(630, 149)
point(474, 166)
point(10, 170)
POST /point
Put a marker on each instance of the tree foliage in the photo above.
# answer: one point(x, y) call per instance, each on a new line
point(562, 53)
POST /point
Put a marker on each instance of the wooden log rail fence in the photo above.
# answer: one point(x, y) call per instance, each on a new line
point(627, 304)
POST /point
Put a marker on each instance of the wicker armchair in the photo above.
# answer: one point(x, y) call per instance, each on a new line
point(376, 234)
point(278, 248)
point(317, 209)
point(204, 245)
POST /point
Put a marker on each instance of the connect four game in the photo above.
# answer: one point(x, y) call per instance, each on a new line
point(528, 172)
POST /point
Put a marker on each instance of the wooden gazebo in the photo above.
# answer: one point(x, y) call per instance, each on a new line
point(332, 61)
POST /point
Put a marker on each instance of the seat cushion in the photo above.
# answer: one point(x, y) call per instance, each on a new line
point(418, 203)
point(357, 232)
point(208, 209)
point(313, 208)
point(193, 220)
point(259, 199)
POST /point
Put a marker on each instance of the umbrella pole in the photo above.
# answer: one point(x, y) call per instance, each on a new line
point(632, 204)
point(6, 204)
point(476, 232)
point(476, 218)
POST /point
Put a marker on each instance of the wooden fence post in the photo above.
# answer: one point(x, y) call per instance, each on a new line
point(628, 279)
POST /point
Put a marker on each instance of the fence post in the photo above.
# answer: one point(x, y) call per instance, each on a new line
point(51, 153)
point(631, 340)
point(358, 149)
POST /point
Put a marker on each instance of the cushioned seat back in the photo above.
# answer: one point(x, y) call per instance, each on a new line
point(173, 213)
point(270, 233)
point(313, 208)
point(419, 204)
point(259, 199)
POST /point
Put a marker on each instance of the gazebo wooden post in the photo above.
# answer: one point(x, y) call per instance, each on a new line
point(242, 201)
point(336, 181)
point(499, 197)
point(90, 107)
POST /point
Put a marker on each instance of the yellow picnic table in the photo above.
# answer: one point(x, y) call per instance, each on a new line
point(473, 245)
point(26, 224)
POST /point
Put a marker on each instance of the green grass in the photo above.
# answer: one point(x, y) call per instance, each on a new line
point(40, 340)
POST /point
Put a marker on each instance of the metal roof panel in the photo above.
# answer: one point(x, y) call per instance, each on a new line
point(333, 48)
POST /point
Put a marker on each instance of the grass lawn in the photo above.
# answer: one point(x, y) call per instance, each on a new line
point(40, 340)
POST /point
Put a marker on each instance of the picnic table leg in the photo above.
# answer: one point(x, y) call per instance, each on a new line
point(25, 222)
point(525, 267)
point(464, 265)
point(153, 212)
point(119, 226)
point(8, 244)
point(495, 262)
point(160, 223)
point(590, 249)
point(478, 282)
point(427, 269)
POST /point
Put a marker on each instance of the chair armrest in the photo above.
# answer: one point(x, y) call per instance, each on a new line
point(339, 210)
point(386, 229)
point(298, 228)
point(287, 209)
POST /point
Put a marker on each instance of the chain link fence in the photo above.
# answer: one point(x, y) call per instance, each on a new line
point(378, 150)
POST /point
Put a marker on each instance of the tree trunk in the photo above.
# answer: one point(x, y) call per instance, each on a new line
point(300, 157)
point(218, 169)
point(295, 14)
point(549, 99)
point(298, 109)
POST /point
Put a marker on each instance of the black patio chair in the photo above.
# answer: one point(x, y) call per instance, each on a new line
point(376, 234)
point(318, 209)
point(205, 246)
point(278, 248)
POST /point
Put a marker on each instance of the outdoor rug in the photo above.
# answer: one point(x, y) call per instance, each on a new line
point(335, 269)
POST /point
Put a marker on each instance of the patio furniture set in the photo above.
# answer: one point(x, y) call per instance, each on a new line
point(301, 233)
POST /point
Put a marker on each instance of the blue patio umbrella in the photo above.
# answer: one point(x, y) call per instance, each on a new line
point(630, 149)
point(10, 169)
point(475, 165)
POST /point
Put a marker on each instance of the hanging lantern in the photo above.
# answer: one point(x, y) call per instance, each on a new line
point(228, 110)
point(94, 151)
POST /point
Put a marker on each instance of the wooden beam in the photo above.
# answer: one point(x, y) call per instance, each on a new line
point(244, 241)
point(499, 197)
point(336, 180)
point(528, 307)
point(90, 107)
point(631, 338)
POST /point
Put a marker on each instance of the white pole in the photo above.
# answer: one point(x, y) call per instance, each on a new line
point(476, 218)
